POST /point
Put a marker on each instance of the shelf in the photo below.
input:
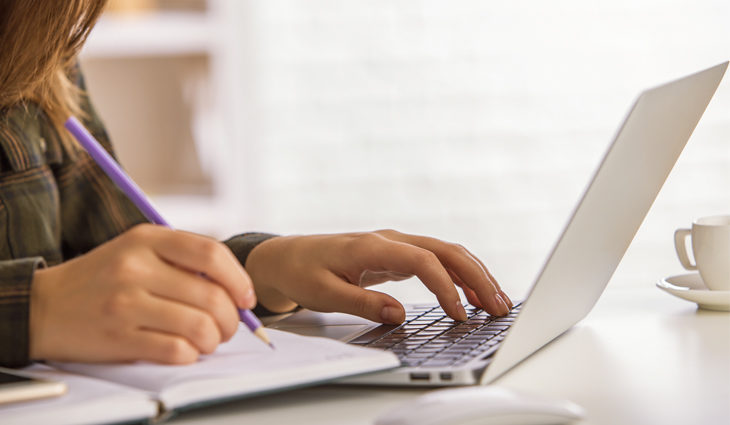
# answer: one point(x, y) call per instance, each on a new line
point(150, 34)
point(160, 52)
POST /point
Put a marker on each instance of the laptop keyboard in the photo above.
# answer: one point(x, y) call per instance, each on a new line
point(430, 338)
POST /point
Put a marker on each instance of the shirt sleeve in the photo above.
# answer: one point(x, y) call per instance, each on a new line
point(15, 282)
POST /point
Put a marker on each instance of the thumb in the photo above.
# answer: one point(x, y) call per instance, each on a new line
point(371, 305)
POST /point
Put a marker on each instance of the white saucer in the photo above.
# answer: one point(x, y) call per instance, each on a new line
point(691, 288)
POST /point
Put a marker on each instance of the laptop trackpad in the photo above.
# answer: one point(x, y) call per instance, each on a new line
point(339, 326)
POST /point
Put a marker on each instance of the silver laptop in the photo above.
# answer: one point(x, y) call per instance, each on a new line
point(437, 351)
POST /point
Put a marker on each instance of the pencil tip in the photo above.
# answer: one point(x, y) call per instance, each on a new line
point(272, 346)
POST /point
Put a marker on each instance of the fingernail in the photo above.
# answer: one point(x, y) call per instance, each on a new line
point(502, 305)
point(250, 298)
point(460, 309)
point(390, 315)
point(506, 299)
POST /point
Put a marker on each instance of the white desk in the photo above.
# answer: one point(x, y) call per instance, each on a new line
point(640, 357)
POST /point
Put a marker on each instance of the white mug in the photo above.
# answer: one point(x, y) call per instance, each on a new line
point(711, 249)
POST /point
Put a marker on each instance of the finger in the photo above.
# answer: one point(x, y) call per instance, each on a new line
point(201, 254)
point(471, 296)
point(476, 278)
point(374, 252)
point(484, 295)
point(369, 277)
point(194, 290)
point(505, 298)
point(160, 348)
point(163, 315)
point(466, 266)
point(351, 299)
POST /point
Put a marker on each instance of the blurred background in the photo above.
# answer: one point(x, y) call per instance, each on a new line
point(469, 120)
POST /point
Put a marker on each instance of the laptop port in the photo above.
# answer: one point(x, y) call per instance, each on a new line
point(446, 376)
point(420, 376)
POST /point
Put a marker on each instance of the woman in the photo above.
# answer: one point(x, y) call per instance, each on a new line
point(82, 278)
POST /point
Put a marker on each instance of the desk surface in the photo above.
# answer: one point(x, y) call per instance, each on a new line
point(640, 357)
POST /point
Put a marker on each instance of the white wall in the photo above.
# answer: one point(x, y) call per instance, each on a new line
point(475, 121)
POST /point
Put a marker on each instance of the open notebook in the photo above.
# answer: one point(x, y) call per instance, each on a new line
point(242, 367)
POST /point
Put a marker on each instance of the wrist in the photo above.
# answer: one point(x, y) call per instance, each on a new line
point(39, 300)
point(261, 265)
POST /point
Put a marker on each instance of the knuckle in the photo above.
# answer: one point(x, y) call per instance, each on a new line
point(118, 303)
point(365, 241)
point(229, 328)
point(141, 231)
point(459, 248)
point(427, 258)
point(177, 351)
point(368, 237)
point(197, 326)
point(210, 251)
point(125, 265)
point(214, 297)
point(202, 331)
point(362, 304)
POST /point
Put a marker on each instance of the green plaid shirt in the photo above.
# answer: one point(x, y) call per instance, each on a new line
point(55, 204)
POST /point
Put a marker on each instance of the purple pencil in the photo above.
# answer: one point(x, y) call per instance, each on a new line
point(135, 194)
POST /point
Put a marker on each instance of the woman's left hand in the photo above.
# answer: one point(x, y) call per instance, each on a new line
point(329, 273)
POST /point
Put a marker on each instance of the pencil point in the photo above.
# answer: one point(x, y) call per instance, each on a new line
point(261, 334)
point(272, 346)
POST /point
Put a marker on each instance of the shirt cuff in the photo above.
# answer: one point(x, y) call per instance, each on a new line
point(15, 280)
point(242, 245)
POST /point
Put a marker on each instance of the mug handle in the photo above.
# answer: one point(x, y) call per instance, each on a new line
point(680, 237)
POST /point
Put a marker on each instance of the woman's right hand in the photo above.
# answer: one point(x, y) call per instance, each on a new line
point(139, 296)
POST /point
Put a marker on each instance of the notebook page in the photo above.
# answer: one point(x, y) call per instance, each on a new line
point(244, 365)
point(87, 401)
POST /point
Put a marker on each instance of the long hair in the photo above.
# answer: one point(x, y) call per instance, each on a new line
point(39, 43)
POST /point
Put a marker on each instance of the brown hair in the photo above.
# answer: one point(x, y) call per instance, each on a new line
point(39, 42)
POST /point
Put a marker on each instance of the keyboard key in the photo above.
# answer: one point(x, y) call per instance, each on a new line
point(446, 359)
point(431, 347)
point(429, 338)
point(459, 349)
point(420, 308)
point(419, 339)
point(485, 330)
point(441, 325)
point(421, 354)
point(499, 327)
point(467, 325)
point(422, 319)
point(436, 363)
point(447, 339)
point(407, 345)
point(430, 331)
